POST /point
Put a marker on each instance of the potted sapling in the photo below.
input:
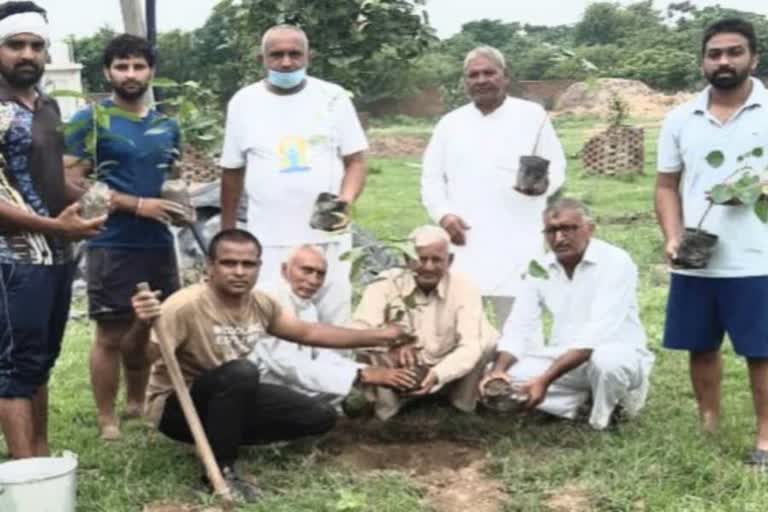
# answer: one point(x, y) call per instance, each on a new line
point(95, 202)
point(499, 394)
point(743, 188)
point(400, 309)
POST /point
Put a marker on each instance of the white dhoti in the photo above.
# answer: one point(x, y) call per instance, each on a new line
point(616, 374)
point(318, 373)
point(334, 300)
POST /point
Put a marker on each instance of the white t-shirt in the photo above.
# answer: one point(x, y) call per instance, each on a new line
point(292, 148)
point(688, 135)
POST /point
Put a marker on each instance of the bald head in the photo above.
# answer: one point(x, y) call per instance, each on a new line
point(304, 270)
point(281, 32)
point(424, 236)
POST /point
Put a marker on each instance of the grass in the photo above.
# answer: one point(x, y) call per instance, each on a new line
point(658, 462)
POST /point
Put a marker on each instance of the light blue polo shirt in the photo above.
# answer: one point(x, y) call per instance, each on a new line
point(688, 135)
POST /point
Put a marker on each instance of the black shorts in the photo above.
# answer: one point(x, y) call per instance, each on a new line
point(113, 274)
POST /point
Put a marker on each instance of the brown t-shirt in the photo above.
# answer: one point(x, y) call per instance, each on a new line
point(206, 335)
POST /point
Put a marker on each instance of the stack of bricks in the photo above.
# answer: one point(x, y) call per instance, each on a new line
point(616, 151)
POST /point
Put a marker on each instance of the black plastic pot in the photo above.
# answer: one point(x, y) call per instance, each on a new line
point(696, 249)
point(532, 175)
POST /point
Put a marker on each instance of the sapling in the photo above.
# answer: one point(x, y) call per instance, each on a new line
point(748, 190)
point(95, 201)
point(400, 309)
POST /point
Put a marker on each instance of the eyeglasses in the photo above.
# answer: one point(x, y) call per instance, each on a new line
point(565, 229)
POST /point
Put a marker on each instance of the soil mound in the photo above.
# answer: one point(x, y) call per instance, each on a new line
point(594, 98)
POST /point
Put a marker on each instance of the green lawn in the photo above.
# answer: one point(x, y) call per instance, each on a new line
point(659, 462)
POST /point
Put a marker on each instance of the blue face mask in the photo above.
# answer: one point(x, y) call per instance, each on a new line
point(286, 80)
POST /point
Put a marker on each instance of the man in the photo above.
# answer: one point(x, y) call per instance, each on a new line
point(454, 340)
point(324, 374)
point(35, 256)
point(136, 153)
point(289, 138)
point(469, 173)
point(597, 343)
point(213, 326)
point(727, 295)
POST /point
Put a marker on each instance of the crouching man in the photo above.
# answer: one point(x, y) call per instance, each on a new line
point(597, 344)
point(214, 326)
point(454, 340)
point(322, 373)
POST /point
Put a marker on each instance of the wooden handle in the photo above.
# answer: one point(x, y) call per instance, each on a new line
point(190, 413)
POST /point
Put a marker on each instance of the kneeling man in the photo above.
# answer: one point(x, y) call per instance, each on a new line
point(597, 343)
point(454, 340)
point(322, 373)
point(214, 326)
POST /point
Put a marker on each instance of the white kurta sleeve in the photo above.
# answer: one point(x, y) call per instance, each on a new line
point(434, 185)
point(614, 297)
point(549, 147)
point(232, 152)
point(522, 332)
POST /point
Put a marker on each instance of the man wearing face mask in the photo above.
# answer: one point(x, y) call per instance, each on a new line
point(289, 138)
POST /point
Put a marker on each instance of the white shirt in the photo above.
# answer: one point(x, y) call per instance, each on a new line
point(597, 306)
point(292, 148)
point(688, 135)
point(470, 169)
point(322, 370)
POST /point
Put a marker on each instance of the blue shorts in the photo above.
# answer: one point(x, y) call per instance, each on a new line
point(700, 310)
point(34, 308)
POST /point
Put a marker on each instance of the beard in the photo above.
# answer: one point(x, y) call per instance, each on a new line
point(727, 81)
point(23, 75)
point(127, 94)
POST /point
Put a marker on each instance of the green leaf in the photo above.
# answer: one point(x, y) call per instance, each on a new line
point(536, 270)
point(761, 209)
point(164, 83)
point(715, 158)
point(748, 194)
point(66, 93)
point(757, 152)
point(721, 194)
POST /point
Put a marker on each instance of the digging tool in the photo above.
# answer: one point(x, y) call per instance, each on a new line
point(190, 413)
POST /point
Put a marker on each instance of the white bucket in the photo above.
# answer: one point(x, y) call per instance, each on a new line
point(39, 484)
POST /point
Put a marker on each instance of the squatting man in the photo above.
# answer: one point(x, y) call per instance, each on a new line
point(213, 326)
point(597, 346)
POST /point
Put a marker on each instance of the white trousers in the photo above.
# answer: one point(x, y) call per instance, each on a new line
point(615, 374)
point(334, 300)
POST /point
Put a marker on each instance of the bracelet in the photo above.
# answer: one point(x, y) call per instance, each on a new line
point(138, 205)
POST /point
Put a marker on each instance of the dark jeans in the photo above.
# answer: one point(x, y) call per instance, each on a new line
point(236, 409)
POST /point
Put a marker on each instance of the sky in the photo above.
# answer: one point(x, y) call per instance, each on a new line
point(84, 17)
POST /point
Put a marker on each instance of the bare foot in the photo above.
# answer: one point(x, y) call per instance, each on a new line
point(109, 429)
point(710, 422)
point(133, 411)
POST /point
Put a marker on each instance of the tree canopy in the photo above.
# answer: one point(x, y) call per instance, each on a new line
point(386, 48)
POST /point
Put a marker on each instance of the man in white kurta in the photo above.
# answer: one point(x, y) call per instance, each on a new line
point(469, 171)
point(597, 343)
point(288, 138)
point(324, 374)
